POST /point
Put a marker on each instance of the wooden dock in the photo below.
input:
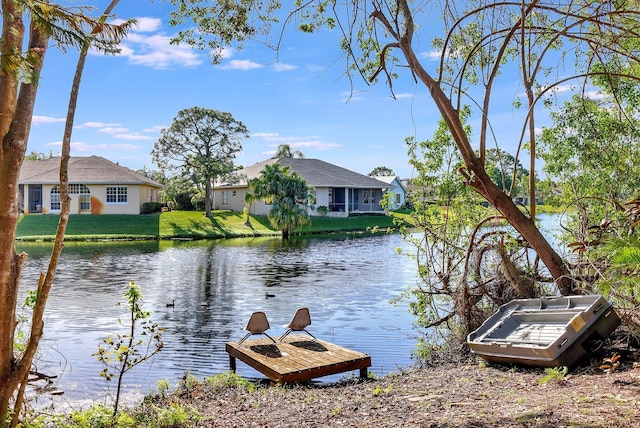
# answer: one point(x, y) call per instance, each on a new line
point(298, 358)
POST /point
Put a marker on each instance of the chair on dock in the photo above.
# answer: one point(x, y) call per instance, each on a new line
point(257, 324)
point(300, 321)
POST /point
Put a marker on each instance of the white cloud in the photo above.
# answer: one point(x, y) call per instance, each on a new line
point(147, 46)
point(155, 129)
point(143, 25)
point(294, 142)
point(134, 136)
point(431, 55)
point(156, 51)
point(269, 136)
point(405, 95)
point(563, 88)
point(37, 120)
point(97, 125)
point(82, 147)
point(146, 24)
point(110, 130)
point(595, 95)
point(317, 145)
point(119, 132)
point(284, 67)
point(241, 64)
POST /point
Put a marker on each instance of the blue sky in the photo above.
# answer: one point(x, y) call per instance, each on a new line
point(300, 97)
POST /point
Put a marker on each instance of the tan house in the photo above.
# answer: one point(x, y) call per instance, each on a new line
point(340, 191)
point(96, 186)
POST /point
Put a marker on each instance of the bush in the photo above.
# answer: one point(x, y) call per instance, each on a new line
point(151, 207)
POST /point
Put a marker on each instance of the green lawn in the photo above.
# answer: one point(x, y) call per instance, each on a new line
point(181, 224)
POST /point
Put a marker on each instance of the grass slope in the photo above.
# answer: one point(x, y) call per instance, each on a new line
point(181, 224)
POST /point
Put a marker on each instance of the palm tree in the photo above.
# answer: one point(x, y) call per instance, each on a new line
point(254, 194)
point(288, 194)
point(285, 151)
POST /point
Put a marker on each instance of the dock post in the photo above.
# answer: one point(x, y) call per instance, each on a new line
point(363, 373)
point(232, 363)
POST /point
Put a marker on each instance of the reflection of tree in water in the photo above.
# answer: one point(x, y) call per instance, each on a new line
point(277, 274)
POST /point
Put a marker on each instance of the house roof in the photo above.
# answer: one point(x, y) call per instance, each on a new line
point(316, 173)
point(84, 170)
point(391, 179)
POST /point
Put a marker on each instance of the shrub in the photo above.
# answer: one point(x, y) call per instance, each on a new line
point(151, 207)
point(323, 209)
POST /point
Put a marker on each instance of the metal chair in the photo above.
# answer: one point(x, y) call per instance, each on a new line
point(257, 324)
point(299, 322)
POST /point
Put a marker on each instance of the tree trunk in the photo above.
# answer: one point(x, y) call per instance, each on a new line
point(14, 145)
point(475, 172)
point(525, 226)
point(207, 197)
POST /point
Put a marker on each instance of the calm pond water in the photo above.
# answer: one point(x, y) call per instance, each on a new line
point(346, 283)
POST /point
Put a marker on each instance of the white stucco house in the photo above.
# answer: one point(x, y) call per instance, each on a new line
point(339, 190)
point(96, 186)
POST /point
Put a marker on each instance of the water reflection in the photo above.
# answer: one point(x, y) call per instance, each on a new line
point(215, 285)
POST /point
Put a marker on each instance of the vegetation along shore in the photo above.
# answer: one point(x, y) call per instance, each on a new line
point(191, 225)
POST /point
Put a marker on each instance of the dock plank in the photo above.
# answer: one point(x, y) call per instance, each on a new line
point(298, 358)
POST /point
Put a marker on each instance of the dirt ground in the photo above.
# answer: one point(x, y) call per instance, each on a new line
point(470, 394)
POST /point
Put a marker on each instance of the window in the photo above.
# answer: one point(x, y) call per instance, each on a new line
point(225, 197)
point(85, 202)
point(116, 195)
point(74, 189)
point(397, 198)
point(55, 200)
point(365, 196)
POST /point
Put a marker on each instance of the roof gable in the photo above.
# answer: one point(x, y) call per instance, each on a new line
point(393, 180)
point(85, 170)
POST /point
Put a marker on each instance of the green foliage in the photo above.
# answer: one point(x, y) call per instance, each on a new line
point(121, 352)
point(285, 151)
point(229, 379)
point(188, 383)
point(178, 193)
point(198, 200)
point(288, 194)
point(387, 201)
point(464, 255)
point(35, 156)
point(617, 260)
point(323, 210)
point(378, 390)
point(592, 155)
point(163, 387)
point(381, 171)
point(176, 415)
point(502, 167)
point(201, 144)
point(99, 416)
point(553, 374)
point(151, 207)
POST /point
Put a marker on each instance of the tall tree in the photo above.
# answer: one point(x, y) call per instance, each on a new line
point(484, 43)
point(505, 171)
point(381, 171)
point(203, 144)
point(285, 151)
point(287, 193)
point(19, 74)
point(592, 153)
